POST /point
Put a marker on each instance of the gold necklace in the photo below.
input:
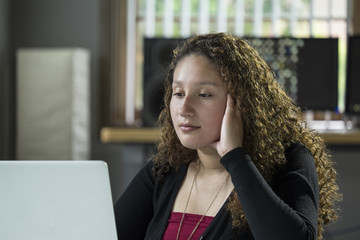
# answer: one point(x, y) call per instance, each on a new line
point(187, 202)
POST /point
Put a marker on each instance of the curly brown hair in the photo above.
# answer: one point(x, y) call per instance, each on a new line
point(272, 120)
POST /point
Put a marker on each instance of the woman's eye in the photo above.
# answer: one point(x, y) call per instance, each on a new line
point(178, 94)
point(204, 95)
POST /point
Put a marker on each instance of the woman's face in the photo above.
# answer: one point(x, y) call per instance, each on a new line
point(198, 102)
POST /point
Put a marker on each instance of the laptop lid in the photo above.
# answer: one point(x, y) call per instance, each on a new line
point(56, 200)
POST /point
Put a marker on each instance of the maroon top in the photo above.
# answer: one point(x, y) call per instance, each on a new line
point(188, 225)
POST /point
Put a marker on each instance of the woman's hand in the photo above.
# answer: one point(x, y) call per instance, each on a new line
point(232, 133)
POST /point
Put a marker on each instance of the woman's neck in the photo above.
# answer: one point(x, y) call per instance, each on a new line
point(210, 162)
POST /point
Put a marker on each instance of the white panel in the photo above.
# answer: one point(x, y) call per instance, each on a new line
point(53, 115)
point(329, 18)
point(239, 17)
point(258, 17)
point(204, 16)
point(81, 106)
point(311, 18)
point(321, 8)
point(293, 17)
point(185, 25)
point(339, 8)
point(131, 63)
point(222, 16)
point(275, 17)
point(168, 18)
point(149, 18)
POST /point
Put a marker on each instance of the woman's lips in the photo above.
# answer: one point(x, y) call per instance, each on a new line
point(188, 128)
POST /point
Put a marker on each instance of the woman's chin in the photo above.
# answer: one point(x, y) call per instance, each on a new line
point(200, 146)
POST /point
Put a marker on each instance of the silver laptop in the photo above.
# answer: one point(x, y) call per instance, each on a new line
point(56, 200)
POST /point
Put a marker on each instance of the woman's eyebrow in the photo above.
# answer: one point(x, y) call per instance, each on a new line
point(201, 83)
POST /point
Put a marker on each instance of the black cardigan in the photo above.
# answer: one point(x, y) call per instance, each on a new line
point(286, 211)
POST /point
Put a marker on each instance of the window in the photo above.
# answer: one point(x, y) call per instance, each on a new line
point(248, 18)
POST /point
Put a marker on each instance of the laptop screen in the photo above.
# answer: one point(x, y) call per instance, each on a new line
point(46, 200)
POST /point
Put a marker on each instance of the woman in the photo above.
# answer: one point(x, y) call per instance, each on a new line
point(235, 160)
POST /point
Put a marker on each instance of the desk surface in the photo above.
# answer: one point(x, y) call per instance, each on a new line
point(152, 135)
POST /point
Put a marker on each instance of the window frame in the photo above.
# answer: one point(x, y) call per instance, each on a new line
point(121, 17)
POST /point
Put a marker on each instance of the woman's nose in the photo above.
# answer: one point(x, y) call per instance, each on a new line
point(186, 108)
